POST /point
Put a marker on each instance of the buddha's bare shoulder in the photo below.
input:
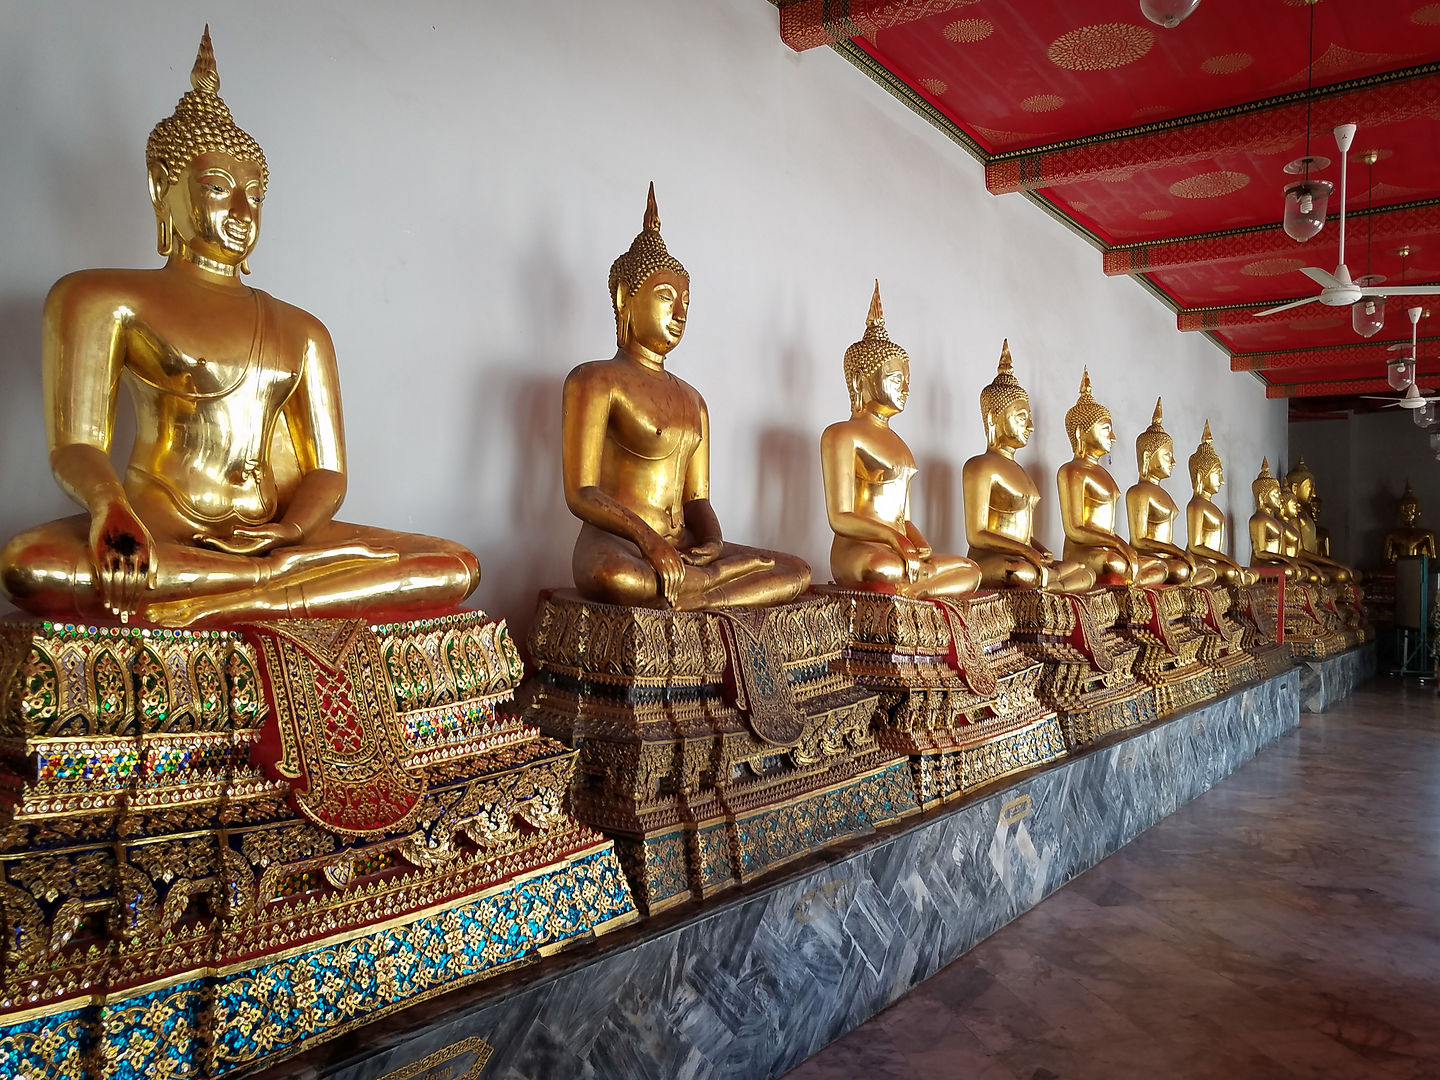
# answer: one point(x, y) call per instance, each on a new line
point(104, 284)
point(293, 318)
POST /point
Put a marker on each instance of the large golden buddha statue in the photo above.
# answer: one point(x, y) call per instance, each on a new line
point(1089, 498)
point(1273, 542)
point(1301, 482)
point(226, 508)
point(1151, 510)
point(636, 460)
point(1000, 497)
point(1204, 520)
point(867, 470)
point(1411, 538)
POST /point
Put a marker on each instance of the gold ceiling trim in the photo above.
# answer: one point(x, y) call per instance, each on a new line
point(1380, 78)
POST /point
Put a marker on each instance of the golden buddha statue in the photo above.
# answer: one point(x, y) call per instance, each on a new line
point(1000, 497)
point(1411, 538)
point(1089, 497)
point(1301, 482)
point(226, 507)
point(636, 460)
point(1273, 542)
point(1151, 510)
point(1322, 534)
point(867, 470)
point(1204, 521)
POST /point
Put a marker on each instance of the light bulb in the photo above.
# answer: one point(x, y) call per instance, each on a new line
point(1168, 13)
point(1367, 315)
point(1424, 416)
point(1305, 204)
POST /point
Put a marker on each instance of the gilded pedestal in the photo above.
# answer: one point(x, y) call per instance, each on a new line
point(956, 695)
point(1253, 609)
point(217, 845)
point(1088, 668)
point(714, 745)
point(1222, 637)
point(1157, 621)
point(1313, 630)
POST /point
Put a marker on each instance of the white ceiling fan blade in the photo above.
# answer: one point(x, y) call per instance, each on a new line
point(1286, 307)
point(1405, 290)
point(1323, 278)
point(1378, 397)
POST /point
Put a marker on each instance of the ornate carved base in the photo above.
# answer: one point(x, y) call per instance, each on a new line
point(955, 695)
point(1253, 609)
point(1088, 668)
point(1222, 648)
point(1313, 629)
point(1157, 620)
point(713, 744)
point(216, 844)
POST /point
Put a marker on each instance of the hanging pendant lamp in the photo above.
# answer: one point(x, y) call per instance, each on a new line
point(1306, 200)
point(1168, 13)
point(1367, 315)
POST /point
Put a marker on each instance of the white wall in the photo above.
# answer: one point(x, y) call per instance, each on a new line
point(1361, 464)
point(449, 184)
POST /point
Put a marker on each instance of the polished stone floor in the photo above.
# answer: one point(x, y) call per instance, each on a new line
point(1284, 924)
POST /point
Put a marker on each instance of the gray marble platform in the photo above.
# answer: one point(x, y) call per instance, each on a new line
point(1324, 682)
point(750, 985)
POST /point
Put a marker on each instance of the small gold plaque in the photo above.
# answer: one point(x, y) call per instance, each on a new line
point(464, 1060)
point(1017, 809)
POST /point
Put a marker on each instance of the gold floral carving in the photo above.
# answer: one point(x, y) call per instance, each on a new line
point(1100, 47)
point(935, 87)
point(1227, 63)
point(1042, 103)
point(1273, 267)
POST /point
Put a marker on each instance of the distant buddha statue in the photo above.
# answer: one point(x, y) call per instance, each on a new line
point(1411, 538)
point(1301, 481)
point(226, 508)
point(1273, 542)
point(867, 470)
point(1089, 497)
point(636, 460)
point(1000, 497)
point(1151, 510)
point(1204, 520)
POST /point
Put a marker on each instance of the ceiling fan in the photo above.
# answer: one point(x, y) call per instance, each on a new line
point(1412, 398)
point(1339, 289)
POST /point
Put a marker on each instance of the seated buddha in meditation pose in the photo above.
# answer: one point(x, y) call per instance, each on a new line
point(1273, 542)
point(1000, 497)
point(1205, 522)
point(1151, 510)
point(1301, 482)
point(1411, 538)
point(636, 460)
point(867, 470)
point(226, 506)
point(1089, 497)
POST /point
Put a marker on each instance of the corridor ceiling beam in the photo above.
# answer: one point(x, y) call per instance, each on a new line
point(808, 24)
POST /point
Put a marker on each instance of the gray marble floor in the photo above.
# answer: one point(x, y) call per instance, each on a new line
point(1282, 925)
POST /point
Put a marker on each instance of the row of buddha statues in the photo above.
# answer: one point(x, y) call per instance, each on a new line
point(262, 752)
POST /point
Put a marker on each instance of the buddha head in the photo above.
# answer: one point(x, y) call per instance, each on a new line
point(877, 371)
point(207, 177)
point(650, 290)
point(1206, 473)
point(1289, 501)
point(1154, 449)
point(1088, 424)
point(1266, 490)
point(1409, 506)
point(1302, 482)
point(1005, 407)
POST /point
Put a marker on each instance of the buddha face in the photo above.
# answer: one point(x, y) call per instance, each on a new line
point(214, 205)
point(1098, 438)
point(1013, 427)
point(1162, 461)
point(1409, 512)
point(889, 387)
point(656, 313)
point(1210, 481)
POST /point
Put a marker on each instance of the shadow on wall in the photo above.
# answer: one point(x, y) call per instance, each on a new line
point(22, 420)
point(936, 514)
point(787, 486)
